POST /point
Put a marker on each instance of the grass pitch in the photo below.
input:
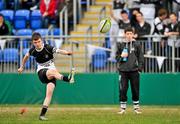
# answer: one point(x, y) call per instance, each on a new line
point(89, 114)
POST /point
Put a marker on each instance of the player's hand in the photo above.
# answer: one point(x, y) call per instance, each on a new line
point(20, 70)
point(69, 53)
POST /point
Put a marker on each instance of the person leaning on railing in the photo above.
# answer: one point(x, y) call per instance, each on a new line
point(159, 28)
point(173, 33)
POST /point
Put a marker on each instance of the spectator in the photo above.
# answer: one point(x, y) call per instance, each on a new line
point(117, 7)
point(142, 27)
point(48, 9)
point(133, 17)
point(132, 5)
point(159, 28)
point(122, 24)
point(158, 22)
point(173, 29)
point(3, 26)
point(125, 22)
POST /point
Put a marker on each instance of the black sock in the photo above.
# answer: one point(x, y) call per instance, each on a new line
point(43, 110)
point(65, 78)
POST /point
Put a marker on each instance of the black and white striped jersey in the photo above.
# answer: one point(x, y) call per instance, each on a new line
point(44, 57)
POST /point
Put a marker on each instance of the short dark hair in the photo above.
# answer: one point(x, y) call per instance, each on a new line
point(124, 12)
point(36, 36)
point(162, 12)
point(129, 29)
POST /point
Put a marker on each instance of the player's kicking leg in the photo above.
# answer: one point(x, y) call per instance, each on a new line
point(55, 74)
point(49, 92)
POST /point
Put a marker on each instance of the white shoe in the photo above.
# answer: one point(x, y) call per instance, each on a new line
point(43, 118)
point(137, 111)
point(122, 111)
point(71, 75)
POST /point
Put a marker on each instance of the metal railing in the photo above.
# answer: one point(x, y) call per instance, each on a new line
point(88, 33)
point(91, 55)
point(102, 13)
point(74, 14)
point(64, 15)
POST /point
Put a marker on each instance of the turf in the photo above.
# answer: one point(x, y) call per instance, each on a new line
point(87, 114)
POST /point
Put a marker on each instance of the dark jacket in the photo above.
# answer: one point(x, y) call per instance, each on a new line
point(175, 28)
point(4, 29)
point(135, 59)
point(144, 30)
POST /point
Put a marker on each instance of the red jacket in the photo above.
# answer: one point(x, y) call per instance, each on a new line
point(51, 9)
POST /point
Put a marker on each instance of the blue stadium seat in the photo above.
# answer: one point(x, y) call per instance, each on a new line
point(10, 55)
point(29, 61)
point(2, 4)
point(21, 19)
point(56, 31)
point(24, 32)
point(42, 31)
point(99, 59)
point(36, 19)
point(8, 15)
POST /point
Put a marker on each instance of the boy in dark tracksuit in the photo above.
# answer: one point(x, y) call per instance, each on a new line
point(130, 58)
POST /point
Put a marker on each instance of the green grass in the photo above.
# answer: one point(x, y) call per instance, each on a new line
point(89, 114)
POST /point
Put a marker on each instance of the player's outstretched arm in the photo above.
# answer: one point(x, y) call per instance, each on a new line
point(26, 57)
point(64, 52)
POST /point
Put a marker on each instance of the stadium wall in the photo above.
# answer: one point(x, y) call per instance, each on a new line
point(155, 89)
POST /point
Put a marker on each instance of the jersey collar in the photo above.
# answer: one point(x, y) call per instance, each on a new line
point(40, 49)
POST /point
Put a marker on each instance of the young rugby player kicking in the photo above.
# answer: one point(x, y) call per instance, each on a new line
point(47, 72)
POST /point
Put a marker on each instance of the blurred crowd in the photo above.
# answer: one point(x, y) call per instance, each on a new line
point(49, 10)
point(147, 17)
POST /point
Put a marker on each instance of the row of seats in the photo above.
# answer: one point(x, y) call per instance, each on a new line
point(43, 32)
point(11, 55)
point(20, 18)
point(28, 32)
